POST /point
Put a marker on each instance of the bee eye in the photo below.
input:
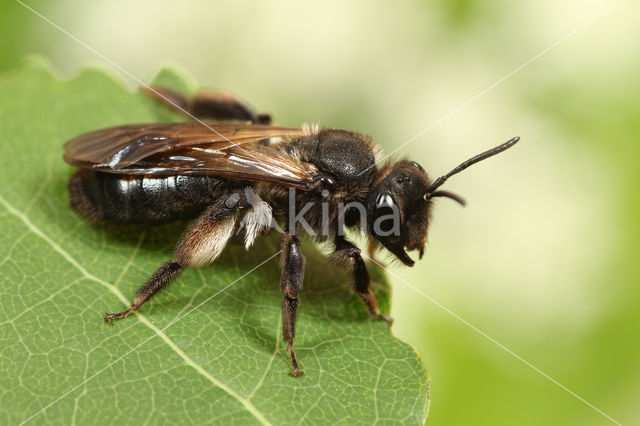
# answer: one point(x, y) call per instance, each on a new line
point(416, 166)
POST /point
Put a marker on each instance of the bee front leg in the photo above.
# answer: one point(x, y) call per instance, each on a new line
point(200, 245)
point(293, 263)
point(346, 251)
point(208, 104)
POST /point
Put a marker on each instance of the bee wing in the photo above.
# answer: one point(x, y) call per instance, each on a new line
point(225, 150)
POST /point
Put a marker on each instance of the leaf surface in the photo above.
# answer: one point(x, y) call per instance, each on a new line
point(206, 350)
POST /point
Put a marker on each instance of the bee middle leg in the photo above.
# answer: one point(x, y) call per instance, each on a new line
point(293, 263)
point(344, 252)
point(200, 245)
point(208, 104)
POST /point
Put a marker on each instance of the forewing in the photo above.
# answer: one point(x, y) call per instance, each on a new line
point(227, 150)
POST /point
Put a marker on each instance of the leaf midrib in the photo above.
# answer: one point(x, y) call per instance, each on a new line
point(157, 332)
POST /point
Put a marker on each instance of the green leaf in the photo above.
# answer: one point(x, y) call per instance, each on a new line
point(223, 361)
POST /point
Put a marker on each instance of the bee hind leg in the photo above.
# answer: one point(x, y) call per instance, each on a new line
point(159, 280)
point(200, 245)
point(208, 104)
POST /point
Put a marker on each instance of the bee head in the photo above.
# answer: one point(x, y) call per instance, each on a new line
point(398, 210)
point(399, 206)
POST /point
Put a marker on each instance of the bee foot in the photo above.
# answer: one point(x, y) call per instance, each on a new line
point(110, 317)
point(389, 320)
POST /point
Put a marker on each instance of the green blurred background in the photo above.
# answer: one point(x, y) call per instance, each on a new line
point(544, 259)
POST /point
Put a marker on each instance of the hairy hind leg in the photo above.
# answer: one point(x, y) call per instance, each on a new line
point(200, 245)
point(209, 104)
point(159, 280)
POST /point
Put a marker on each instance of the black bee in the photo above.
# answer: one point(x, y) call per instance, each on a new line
point(253, 177)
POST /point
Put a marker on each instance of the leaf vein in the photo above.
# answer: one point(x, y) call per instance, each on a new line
point(248, 406)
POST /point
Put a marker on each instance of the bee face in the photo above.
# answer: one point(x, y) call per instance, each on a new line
point(398, 210)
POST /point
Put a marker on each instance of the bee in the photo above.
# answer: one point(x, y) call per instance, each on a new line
point(242, 173)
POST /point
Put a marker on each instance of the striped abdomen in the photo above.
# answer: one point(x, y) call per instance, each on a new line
point(99, 196)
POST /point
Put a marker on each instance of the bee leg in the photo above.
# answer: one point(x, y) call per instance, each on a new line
point(163, 276)
point(200, 245)
point(292, 262)
point(208, 104)
point(345, 251)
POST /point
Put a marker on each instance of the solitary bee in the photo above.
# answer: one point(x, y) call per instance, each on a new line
point(248, 175)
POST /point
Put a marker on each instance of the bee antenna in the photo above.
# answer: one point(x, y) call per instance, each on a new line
point(483, 156)
point(447, 194)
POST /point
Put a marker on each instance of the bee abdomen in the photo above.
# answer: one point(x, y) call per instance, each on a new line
point(107, 197)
